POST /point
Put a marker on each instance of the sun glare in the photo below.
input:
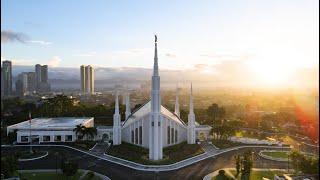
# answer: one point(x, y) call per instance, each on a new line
point(271, 73)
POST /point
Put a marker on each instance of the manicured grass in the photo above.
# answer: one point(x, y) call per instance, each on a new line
point(276, 154)
point(48, 176)
point(171, 154)
point(29, 155)
point(250, 134)
point(222, 144)
point(259, 174)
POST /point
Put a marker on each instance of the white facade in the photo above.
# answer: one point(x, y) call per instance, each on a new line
point(49, 129)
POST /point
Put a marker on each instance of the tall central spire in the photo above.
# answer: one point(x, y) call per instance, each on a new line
point(155, 130)
point(155, 63)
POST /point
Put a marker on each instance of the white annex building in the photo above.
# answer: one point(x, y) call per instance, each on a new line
point(152, 126)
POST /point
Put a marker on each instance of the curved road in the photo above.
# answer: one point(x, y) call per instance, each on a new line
point(115, 171)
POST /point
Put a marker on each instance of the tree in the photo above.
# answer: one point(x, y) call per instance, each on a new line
point(69, 167)
point(222, 175)
point(12, 136)
point(238, 165)
point(91, 132)
point(9, 165)
point(244, 164)
point(303, 163)
point(80, 130)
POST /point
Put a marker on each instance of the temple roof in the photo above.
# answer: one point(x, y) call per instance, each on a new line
point(146, 108)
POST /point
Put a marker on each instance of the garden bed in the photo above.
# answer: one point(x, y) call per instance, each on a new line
point(140, 155)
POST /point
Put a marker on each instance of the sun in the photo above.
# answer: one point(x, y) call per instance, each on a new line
point(271, 73)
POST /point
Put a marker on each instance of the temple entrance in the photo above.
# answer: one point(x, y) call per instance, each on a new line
point(202, 136)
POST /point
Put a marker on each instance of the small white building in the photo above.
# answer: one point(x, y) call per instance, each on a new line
point(58, 129)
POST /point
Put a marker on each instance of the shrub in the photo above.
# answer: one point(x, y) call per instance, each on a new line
point(69, 167)
point(90, 175)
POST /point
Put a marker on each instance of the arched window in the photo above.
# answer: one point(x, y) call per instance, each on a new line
point(172, 133)
point(132, 137)
point(140, 135)
point(136, 136)
point(176, 136)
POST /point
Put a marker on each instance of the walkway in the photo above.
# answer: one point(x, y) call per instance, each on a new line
point(100, 148)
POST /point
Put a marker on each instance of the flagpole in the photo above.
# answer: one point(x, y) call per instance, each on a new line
point(30, 132)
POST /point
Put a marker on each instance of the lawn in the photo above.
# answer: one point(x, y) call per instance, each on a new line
point(276, 154)
point(171, 154)
point(260, 174)
point(48, 176)
point(223, 144)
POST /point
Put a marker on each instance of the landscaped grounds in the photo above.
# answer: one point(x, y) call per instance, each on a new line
point(255, 174)
point(171, 154)
point(276, 154)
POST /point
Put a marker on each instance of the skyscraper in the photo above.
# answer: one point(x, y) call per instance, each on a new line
point(6, 74)
point(41, 78)
point(82, 79)
point(87, 79)
point(22, 84)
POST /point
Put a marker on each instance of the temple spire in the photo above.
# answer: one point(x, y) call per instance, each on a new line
point(191, 121)
point(116, 106)
point(116, 122)
point(155, 63)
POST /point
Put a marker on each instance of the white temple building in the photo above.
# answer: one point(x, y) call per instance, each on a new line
point(153, 126)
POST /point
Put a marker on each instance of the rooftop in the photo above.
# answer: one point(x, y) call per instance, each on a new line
point(146, 108)
point(60, 123)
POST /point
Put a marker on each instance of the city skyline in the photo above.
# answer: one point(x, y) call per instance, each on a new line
point(269, 36)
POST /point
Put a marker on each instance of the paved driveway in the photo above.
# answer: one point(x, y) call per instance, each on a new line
point(115, 171)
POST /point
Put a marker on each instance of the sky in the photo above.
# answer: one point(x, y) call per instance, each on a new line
point(272, 38)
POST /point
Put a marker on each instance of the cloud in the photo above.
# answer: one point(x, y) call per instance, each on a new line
point(46, 43)
point(54, 61)
point(90, 54)
point(170, 55)
point(10, 36)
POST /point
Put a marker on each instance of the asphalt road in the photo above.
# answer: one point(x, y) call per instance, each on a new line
point(115, 171)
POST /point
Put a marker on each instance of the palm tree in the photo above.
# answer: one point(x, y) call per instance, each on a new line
point(80, 130)
point(91, 132)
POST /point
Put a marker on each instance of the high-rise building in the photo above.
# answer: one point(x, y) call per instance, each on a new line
point(41, 78)
point(6, 74)
point(87, 79)
point(2, 83)
point(22, 84)
point(31, 84)
point(82, 79)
